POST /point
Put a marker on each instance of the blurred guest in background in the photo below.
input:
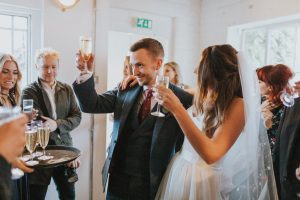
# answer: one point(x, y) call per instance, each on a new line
point(56, 104)
point(171, 69)
point(127, 69)
point(12, 141)
point(273, 79)
point(287, 152)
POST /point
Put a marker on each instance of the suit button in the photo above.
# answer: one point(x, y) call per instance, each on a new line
point(109, 158)
point(115, 141)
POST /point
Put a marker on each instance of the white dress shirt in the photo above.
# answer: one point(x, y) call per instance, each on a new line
point(51, 95)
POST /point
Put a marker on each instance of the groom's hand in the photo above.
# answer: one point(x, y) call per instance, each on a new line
point(82, 65)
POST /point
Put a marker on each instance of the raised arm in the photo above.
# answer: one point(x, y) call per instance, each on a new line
point(90, 101)
point(210, 149)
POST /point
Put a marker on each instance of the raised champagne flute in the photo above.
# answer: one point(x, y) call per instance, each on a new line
point(85, 46)
point(160, 81)
point(31, 140)
point(44, 135)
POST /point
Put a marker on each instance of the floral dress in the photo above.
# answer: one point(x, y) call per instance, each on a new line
point(273, 130)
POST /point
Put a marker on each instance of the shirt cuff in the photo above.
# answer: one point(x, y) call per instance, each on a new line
point(84, 77)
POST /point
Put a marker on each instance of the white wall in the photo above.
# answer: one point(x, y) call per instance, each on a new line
point(36, 4)
point(184, 16)
point(216, 16)
point(61, 32)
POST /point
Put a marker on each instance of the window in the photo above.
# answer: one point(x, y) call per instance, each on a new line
point(16, 25)
point(15, 40)
point(272, 42)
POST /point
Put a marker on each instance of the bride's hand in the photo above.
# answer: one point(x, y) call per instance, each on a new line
point(169, 100)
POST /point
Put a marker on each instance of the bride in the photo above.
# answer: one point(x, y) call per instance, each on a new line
point(225, 154)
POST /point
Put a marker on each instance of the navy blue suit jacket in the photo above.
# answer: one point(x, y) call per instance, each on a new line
point(166, 132)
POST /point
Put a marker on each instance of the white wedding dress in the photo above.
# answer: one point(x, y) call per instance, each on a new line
point(189, 177)
point(245, 172)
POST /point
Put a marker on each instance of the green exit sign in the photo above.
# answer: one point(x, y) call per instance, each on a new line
point(144, 23)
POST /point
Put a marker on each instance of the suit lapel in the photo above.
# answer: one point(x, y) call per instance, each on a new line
point(159, 123)
point(130, 98)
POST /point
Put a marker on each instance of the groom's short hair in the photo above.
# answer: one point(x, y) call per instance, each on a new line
point(153, 46)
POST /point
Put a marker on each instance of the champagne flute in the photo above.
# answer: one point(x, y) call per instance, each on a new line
point(43, 135)
point(28, 108)
point(85, 46)
point(160, 81)
point(38, 124)
point(31, 140)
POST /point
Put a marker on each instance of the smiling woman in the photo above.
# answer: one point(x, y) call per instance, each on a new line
point(10, 77)
point(66, 4)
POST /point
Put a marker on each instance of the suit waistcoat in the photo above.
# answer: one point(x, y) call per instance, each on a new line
point(134, 152)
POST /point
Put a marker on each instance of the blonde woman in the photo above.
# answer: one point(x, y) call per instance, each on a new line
point(10, 79)
point(171, 69)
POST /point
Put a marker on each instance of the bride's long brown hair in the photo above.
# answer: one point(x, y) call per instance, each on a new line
point(218, 83)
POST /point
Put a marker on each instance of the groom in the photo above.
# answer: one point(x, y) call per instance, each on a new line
point(141, 145)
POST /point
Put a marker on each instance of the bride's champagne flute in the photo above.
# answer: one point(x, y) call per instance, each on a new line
point(85, 45)
point(160, 81)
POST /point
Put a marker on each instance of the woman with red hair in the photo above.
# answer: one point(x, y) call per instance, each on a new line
point(273, 79)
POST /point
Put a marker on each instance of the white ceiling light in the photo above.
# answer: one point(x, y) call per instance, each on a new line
point(65, 4)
